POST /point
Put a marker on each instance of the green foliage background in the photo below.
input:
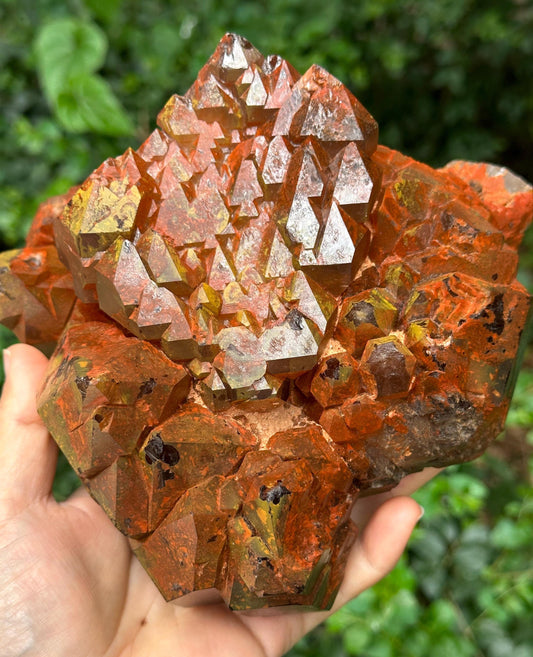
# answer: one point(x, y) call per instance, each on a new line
point(81, 80)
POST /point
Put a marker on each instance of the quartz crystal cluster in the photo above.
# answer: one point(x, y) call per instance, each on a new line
point(261, 314)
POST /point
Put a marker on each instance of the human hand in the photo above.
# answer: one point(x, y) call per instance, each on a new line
point(70, 586)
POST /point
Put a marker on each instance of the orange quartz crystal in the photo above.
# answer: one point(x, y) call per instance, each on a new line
point(261, 314)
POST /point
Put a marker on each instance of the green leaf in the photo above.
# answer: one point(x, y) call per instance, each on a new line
point(454, 646)
point(379, 648)
point(431, 547)
point(433, 581)
point(502, 647)
point(512, 535)
point(522, 651)
point(68, 112)
point(442, 615)
point(469, 560)
point(400, 578)
point(12, 226)
point(89, 104)
point(105, 10)
point(402, 613)
point(100, 108)
point(356, 638)
point(65, 49)
point(362, 603)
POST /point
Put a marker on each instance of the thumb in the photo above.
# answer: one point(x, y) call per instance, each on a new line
point(27, 453)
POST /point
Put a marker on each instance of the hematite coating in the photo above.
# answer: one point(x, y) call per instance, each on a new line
point(260, 314)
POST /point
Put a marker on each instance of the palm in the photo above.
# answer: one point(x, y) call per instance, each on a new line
point(97, 598)
point(70, 586)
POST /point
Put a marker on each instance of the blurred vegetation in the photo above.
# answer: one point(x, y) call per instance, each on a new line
point(81, 80)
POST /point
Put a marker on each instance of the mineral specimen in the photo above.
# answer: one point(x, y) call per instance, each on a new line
point(259, 315)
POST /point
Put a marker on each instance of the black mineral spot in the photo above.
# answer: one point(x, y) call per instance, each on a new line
point(439, 364)
point(177, 588)
point(249, 525)
point(295, 320)
point(467, 229)
point(163, 475)
point(447, 283)
point(82, 383)
point(98, 417)
point(362, 312)
point(332, 370)
point(157, 450)
point(498, 323)
point(496, 308)
point(274, 494)
point(265, 561)
point(146, 387)
point(447, 220)
point(246, 44)
point(494, 277)
point(65, 363)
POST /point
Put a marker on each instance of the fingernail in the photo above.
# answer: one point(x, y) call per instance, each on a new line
point(6, 357)
point(422, 511)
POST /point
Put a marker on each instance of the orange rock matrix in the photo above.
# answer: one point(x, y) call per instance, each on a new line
point(261, 314)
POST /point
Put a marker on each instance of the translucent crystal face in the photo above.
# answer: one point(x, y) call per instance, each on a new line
point(260, 313)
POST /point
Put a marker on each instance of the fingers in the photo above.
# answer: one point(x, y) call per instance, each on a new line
point(379, 546)
point(414, 481)
point(365, 507)
point(375, 553)
point(27, 453)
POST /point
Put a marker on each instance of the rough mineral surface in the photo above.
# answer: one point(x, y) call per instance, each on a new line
point(259, 315)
